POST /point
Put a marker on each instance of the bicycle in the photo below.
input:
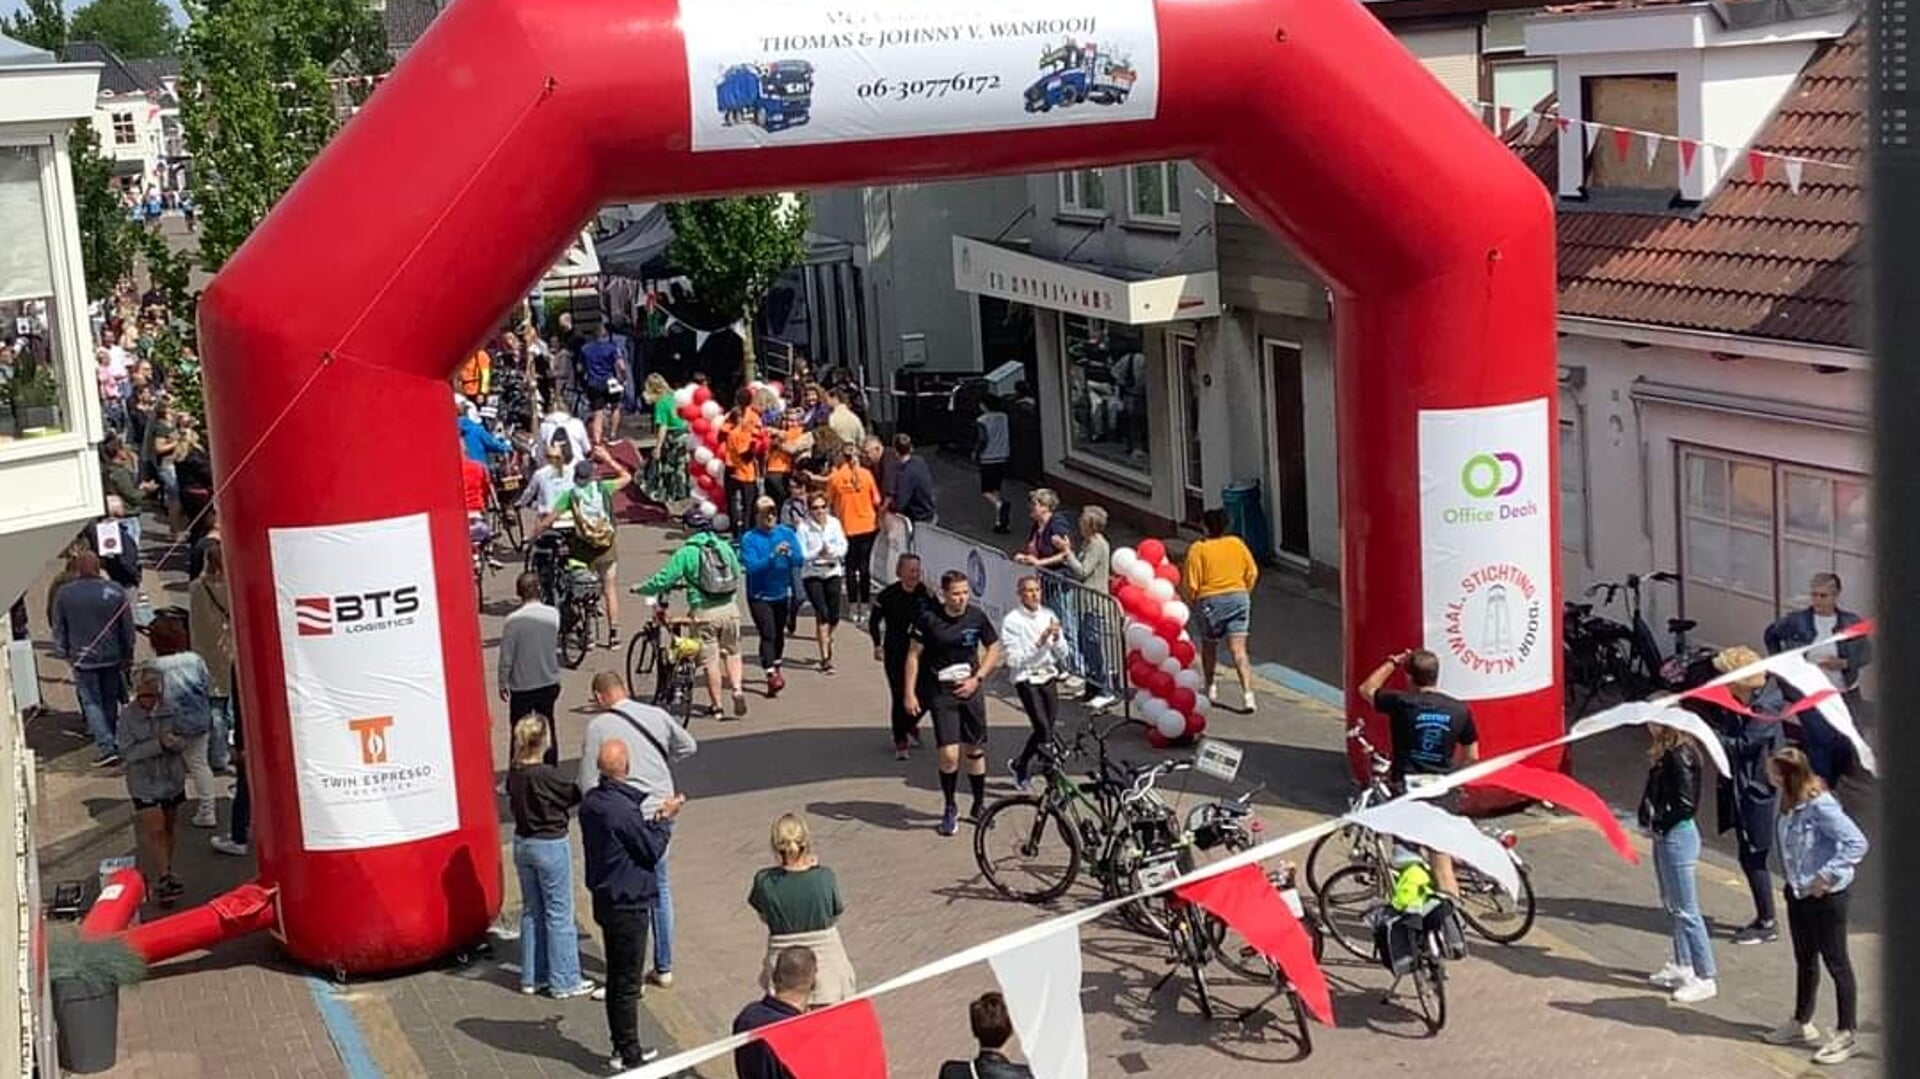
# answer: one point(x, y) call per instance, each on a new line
point(1356, 889)
point(664, 654)
point(1601, 652)
point(1082, 817)
point(567, 585)
point(1353, 837)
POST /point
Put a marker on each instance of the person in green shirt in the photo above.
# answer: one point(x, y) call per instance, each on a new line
point(666, 476)
point(799, 899)
point(589, 506)
point(708, 569)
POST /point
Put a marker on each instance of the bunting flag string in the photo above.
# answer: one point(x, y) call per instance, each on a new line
point(850, 1031)
point(1542, 785)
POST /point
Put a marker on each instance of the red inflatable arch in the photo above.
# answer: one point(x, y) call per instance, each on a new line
point(330, 336)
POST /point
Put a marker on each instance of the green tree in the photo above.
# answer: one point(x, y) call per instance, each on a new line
point(734, 250)
point(107, 238)
point(40, 23)
point(134, 29)
point(258, 102)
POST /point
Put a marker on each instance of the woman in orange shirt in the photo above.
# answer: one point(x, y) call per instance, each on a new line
point(855, 497)
point(743, 445)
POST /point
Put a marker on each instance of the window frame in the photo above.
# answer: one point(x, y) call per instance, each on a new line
point(132, 136)
point(1169, 214)
point(1137, 479)
point(1072, 191)
point(79, 410)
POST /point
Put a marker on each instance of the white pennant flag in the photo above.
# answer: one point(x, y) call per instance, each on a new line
point(1651, 143)
point(739, 329)
point(1795, 167)
point(1533, 123)
point(1795, 669)
point(1423, 824)
point(700, 339)
point(1721, 156)
point(1667, 715)
point(1041, 982)
point(1593, 136)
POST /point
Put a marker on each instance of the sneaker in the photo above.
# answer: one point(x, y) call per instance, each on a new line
point(1019, 776)
point(1792, 1032)
point(106, 760)
point(227, 846)
point(661, 978)
point(613, 639)
point(914, 734)
point(775, 682)
point(169, 889)
point(647, 1055)
point(949, 821)
point(1842, 1048)
point(1757, 933)
point(1100, 702)
point(584, 989)
point(1213, 691)
point(1696, 990)
point(1247, 703)
point(532, 990)
point(1669, 977)
point(599, 993)
point(507, 931)
point(900, 751)
point(739, 704)
point(205, 818)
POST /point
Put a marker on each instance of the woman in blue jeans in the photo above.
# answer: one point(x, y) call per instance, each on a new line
point(1667, 809)
point(542, 796)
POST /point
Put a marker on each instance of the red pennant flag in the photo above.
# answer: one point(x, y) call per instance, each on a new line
point(1622, 142)
point(841, 1042)
point(1756, 166)
point(1562, 790)
point(1563, 124)
point(1722, 695)
point(1688, 148)
point(1246, 900)
point(1506, 118)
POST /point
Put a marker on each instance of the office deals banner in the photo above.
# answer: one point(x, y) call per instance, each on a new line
point(366, 693)
point(790, 72)
point(992, 575)
point(1486, 539)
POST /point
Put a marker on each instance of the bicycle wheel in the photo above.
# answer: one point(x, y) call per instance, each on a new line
point(1148, 917)
point(1332, 845)
point(512, 527)
point(1018, 857)
point(1190, 943)
point(1344, 902)
point(643, 657)
point(576, 635)
point(1302, 1026)
point(1430, 988)
point(1495, 915)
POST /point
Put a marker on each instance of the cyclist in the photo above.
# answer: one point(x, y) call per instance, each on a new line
point(958, 646)
point(1430, 730)
point(590, 505)
point(476, 485)
point(707, 567)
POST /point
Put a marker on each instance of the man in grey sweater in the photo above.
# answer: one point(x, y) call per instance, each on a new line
point(654, 741)
point(93, 630)
point(529, 669)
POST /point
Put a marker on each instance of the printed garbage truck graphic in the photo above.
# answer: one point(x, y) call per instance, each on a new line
point(773, 96)
point(1077, 72)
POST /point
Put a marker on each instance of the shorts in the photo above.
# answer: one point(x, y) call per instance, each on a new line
point(598, 397)
point(992, 475)
point(1224, 615)
point(717, 628)
point(171, 801)
point(1450, 801)
point(957, 721)
point(606, 566)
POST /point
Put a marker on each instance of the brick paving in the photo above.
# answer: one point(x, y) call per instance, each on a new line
point(1568, 997)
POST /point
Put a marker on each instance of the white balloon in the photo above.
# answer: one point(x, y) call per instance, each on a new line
point(702, 455)
point(716, 468)
point(1177, 611)
point(1136, 635)
point(779, 404)
point(722, 522)
point(707, 508)
point(1160, 589)
point(1124, 560)
point(1190, 679)
point(712, 410)
point(1139, 573)
point(1170, 724)
point(683, 396)
point(1201, 705)
point(1172, 666)
point(1153, 650)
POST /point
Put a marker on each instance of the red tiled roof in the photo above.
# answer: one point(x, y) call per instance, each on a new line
point(1759, 260)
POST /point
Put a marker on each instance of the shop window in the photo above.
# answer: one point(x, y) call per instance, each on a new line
point(1573, 488)
point(32, 394)
point(1153, 192)
point(1104, 370)
point(124, 133)
point(1083, 192)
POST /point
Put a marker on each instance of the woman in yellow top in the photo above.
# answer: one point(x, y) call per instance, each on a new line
point(1220, 574)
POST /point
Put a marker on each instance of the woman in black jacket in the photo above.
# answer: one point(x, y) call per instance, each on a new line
point(1747, 802)
point(1667, 809)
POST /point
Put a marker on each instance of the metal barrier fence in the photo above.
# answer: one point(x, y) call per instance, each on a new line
point(1092, 621)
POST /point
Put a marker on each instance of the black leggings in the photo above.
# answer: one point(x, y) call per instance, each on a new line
point(1819, 931)
point(823, 595)
point(1042, 702)
point(902, 720)
point(1753, 861)
point(860, 568)
point(770, 622)
point(741, 495)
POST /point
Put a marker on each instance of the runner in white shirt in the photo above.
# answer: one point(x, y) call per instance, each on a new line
point(1035, 649)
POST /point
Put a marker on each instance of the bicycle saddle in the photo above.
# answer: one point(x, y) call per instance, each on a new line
point(1680, 625)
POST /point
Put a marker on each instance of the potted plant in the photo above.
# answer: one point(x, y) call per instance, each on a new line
point(35, 397)
point(86, 976)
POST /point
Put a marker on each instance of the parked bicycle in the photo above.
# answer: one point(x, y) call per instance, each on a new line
point(1625, 658)
point(1352, 840)
point(662, 662)
point(1417, 944)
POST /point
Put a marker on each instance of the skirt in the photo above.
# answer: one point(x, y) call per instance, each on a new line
point(665, 480)
point(833, 979)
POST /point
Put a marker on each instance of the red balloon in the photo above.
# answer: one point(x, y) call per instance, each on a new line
point(689, 412)
point(1168, 572)
point(1182, 700)
point(1168, 627)
point(1182, 650)
point(1153, 551)
point(1196, 726)
point(702, 427)
point(1160, 683)
point(701, 395)
point(1156, 739)
point(779, 388)
point(1139, 671)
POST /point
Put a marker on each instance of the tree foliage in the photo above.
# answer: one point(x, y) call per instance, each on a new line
point(734, 250)
point(257, 104)
point(40, 23)
point(107, 238)
point(133, 29)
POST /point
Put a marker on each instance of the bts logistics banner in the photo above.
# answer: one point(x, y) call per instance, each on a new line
point(788, 72)
point(1486, 538)
point(366, 694)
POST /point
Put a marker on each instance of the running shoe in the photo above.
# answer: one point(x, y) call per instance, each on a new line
point(1019, 775)
point(900, 752)
point(950, 821)
point(1757, 933)
point(775, 682)
point(227, 846)
point(584, 989)
point(1696, 990)
point(1669, 976)
point(169, 889)
point(106, 760)
point(1842, 1048)
point(739, 704)
point(1792, 1033)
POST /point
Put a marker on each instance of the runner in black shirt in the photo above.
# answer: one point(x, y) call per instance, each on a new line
point(955, 647)
point(895, 611)
point(1430, 729)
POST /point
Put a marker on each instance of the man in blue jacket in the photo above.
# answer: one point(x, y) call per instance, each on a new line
point(93, 630)
point(1829, 753)
point(623, 844)
point(770, 551)
point(475, 440)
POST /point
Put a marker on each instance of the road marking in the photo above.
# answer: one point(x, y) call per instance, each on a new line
point(344, 1032)
point(1304, 685)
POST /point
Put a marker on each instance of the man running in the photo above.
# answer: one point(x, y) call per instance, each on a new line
point(1430, 729)
point(959, 648)
point(896, 610)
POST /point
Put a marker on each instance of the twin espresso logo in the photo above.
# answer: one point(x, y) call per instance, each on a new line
point(363, 612)
point(1492, 476)
point(373, 737)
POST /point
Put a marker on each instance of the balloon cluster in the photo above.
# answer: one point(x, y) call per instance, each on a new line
point(1162, 662)
point(707, 465)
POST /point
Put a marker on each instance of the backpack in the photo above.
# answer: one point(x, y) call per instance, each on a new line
point(718, 574)
point(594, 527)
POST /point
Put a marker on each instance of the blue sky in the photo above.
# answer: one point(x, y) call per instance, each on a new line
point(11, 6)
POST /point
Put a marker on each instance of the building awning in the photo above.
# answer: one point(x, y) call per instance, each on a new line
point(129, 167)
point(989, 269)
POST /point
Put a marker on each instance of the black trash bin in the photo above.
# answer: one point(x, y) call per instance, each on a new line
point(87, 1022)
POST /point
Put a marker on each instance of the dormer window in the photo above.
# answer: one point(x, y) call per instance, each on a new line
point(1639, 103)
